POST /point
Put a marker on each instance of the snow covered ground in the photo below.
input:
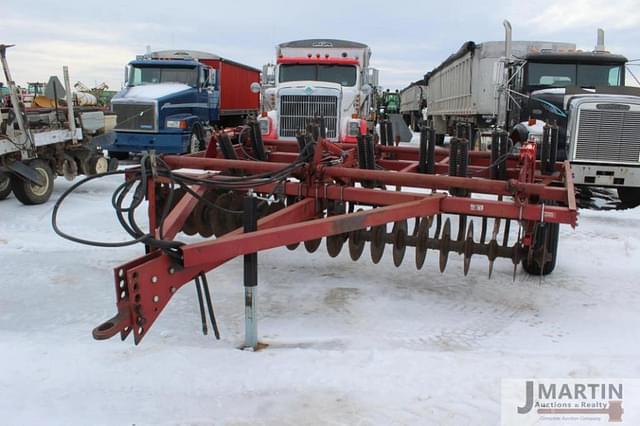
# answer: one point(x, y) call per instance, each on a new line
point(349, 343)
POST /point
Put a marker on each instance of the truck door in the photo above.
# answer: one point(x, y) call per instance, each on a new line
point(213, 95)
point(201, 106)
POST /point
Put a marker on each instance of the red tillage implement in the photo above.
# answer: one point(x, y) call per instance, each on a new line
point(287, 193)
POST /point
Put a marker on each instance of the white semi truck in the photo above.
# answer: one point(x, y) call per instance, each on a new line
point(521, 86)
point(318, 78)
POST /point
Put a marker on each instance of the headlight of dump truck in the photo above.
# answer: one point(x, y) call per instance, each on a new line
point(264, 125)
point(176, 124)
point(353, 128)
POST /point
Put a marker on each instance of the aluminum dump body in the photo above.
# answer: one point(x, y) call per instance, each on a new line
point(412, 97)
point(465, 84)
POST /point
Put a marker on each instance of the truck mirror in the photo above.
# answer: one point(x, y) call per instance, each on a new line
point(126, 75)
point(372, 77)
point(255, 87)
point(367, 89)
point(212, 77)
point(268, 76)
point(204, 78)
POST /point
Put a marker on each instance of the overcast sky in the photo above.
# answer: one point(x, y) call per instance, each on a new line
point(408, 38)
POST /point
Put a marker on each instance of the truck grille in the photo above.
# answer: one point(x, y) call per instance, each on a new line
point(608, 136)
point(297, 110)
point(140, 117)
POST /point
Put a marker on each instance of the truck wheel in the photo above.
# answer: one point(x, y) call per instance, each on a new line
point(541, 263)
point(195, 141)
point(113, 164)
point(629, 197)
point(28, 192)
point(5, 186)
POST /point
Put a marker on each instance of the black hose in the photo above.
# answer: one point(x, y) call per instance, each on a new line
point(141, 177)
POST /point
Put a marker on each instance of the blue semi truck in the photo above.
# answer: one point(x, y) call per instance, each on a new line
point(173, 99)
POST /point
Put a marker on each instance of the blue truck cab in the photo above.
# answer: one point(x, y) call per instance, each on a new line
point(166, 106)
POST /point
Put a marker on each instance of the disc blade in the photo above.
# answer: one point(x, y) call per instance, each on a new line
point(312, 245)
point(356, 244)
point(468, 248)
point(217, 215)
point(421, 241)
point(399, 235)
point(483, 232)
point(444, 244)
point(377, 242)
point(293, 246)
point(334, 244)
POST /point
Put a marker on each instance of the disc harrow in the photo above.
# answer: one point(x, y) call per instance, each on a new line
point(434, 200)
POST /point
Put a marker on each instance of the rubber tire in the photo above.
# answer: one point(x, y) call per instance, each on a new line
point(5, 186)
point(195, 132)
point(532, 268)
point(95, 161)
point(629, 197)
point(113, 164)
point(24, 189)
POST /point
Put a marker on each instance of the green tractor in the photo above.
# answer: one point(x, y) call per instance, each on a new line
point(388, 103)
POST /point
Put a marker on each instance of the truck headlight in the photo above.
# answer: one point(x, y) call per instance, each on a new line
point(264, 126)
point(176, 124)
point(353, 128)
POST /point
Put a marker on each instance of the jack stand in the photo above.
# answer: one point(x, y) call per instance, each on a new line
point(250, 276)
point(250, 319)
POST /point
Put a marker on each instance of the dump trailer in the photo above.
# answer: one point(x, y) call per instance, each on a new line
point(36, 145)
point(413, 101)
point(314, 78)
point(464, 87)
point(535, 90)
point(173, 99)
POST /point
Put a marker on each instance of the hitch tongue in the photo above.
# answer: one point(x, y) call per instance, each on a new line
point(118, 324)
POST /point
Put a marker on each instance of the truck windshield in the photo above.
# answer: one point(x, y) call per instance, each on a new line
point(583, 75)
point(344, 75)
point(153, 75)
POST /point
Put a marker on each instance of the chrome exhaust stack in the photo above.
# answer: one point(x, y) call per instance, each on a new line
point(600, 48)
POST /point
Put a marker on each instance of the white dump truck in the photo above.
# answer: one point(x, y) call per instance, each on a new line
point(523, 86)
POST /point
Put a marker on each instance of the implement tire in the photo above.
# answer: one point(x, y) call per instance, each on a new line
point(5, 186)
point(534, 265)
point(28, 192)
